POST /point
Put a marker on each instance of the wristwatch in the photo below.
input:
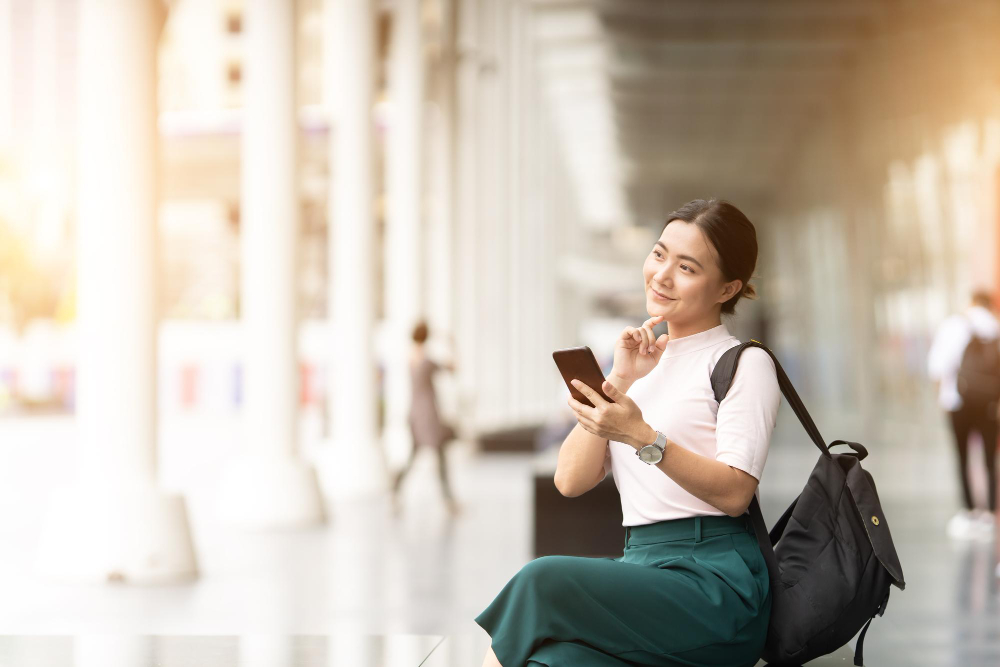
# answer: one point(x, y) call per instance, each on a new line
point(653, 454)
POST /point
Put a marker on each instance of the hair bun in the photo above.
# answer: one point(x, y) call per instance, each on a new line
point(749, 291)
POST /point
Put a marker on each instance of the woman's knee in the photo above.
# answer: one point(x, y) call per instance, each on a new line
point(544, 576)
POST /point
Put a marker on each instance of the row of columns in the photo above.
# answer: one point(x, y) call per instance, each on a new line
point(491, 275)
point(516, 213)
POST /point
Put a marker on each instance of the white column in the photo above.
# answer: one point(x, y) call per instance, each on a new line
point(354, 464)
point(113, 524)
point(440, 151)
point(47, 167)
point(45, 81)
point(491, 221)
point(441, 288)
point(535, 358)
point(268, 486)
point(6, 74)
point(543, 321)
point(519, 236)
point(405, 279)
point(466, 261)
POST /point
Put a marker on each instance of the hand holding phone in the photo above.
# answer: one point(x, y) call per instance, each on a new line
point(579, 363)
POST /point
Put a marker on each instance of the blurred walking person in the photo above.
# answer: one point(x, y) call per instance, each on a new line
point(964, 360)
point(427, 428)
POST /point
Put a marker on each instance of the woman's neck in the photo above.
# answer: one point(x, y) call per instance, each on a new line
point(683, 329)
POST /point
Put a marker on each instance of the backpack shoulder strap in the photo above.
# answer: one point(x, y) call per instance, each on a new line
point(722, 379)
point(725, 371)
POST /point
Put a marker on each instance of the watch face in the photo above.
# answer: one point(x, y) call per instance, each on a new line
point(650, 454)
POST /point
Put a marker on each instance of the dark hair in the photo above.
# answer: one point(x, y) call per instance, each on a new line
point(983, 298)
point(732, 235)
point(420, 332)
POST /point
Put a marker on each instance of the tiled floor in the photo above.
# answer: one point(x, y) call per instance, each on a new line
point(371, 588)
point(221, 651)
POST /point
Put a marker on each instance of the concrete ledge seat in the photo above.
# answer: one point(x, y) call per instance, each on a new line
point(337, 648)
point(460, 650)
point(842, 657)
point(517, 439)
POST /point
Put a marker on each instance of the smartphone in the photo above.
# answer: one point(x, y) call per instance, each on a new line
point(579, 363)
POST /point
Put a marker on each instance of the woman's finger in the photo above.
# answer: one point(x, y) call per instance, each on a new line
point(592, 395)
point(585, 421)
point(628, 338)
point(650, 339)
point(644, 341)
point(588, 423)
point(582, 410)
point(648, 327)
point(636, 337)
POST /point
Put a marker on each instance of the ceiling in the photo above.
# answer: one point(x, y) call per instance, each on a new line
point(661, 101)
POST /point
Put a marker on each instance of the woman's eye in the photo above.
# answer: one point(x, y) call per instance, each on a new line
point(657, 253)
point(686, 268)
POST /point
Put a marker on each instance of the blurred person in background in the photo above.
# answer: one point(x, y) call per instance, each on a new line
point(427, 428)
point(964, 362)
point(691, 586)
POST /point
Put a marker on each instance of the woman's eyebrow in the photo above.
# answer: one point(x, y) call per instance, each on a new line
point(687, 257)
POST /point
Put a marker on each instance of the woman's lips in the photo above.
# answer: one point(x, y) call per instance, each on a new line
point(660, 296)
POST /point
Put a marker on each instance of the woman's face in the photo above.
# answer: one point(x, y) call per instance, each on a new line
point(683, 280)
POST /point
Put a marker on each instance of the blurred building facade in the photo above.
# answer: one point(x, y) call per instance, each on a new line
point(500, 168)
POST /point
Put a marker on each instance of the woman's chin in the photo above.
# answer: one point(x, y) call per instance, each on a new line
point(657, 309)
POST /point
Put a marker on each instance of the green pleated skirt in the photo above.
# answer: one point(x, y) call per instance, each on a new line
point(684, 592)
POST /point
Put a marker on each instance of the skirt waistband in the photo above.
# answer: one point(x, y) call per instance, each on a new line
point(688, 529)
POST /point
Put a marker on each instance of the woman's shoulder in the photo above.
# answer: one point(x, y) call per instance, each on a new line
point(753, 360)
point(722, 347)
point(757, 359)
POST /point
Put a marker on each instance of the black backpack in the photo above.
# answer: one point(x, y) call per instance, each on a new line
point(978, 378)
point(830, 557)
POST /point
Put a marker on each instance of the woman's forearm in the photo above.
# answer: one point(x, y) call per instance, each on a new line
point(581, 456)
point(718, 484)
point(581, 462)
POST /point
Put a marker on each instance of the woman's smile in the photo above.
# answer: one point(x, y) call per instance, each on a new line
point(660, 297)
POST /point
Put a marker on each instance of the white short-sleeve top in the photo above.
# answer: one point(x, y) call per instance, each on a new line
point(676, 398)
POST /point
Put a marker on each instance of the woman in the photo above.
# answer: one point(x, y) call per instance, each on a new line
point(426, 426)
point(691, 587)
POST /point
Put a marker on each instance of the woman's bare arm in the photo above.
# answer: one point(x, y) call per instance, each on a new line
point(581, 462)
point(717, 483)
point(581, 456)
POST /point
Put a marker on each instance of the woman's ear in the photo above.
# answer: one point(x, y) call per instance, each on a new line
point(730, 289)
